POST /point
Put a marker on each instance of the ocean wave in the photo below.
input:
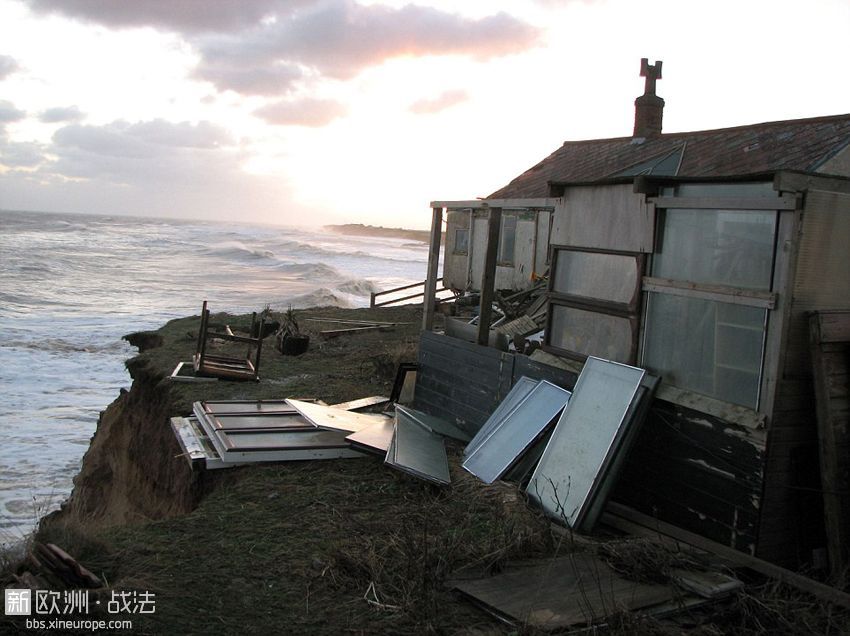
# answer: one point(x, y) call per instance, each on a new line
point(361, 287)
point(322, 297)
point(236, 251)
point(309, 270)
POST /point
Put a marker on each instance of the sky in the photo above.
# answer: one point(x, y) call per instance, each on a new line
point(305, 112)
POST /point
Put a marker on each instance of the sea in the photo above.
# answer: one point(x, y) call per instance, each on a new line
point(72, 285)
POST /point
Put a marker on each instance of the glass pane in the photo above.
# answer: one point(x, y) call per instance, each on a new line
point(709, 347)
point(718, 247)
point(461, 241)
point(583, 439)
point(591, 333)
point(612, 277)
point(508, 240)
point(514, 434)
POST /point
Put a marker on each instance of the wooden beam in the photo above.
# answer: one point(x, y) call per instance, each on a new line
point(720, 293)
point(639, 523)
point(784, 202)
point(830, 367)
point(797, 182)
point(430, 294)
point(488, 278)
point(481, 204)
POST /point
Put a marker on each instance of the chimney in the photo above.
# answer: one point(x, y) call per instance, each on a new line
point(649, 107)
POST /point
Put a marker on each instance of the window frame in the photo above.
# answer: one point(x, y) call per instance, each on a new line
point(766, 300)
point(630, 311)
point(455, 250)
point(500, 260)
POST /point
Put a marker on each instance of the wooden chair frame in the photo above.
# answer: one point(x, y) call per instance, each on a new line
point(230, 368)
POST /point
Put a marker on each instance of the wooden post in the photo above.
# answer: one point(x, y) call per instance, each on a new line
point(830, 346)
point(488, 278)
point(430, 295)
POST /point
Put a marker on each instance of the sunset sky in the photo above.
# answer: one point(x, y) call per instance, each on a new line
point(302, 112)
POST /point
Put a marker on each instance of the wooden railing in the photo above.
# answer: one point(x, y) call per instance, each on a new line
point(374, 295)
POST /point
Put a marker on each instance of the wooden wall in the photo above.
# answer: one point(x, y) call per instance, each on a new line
point(792, 514)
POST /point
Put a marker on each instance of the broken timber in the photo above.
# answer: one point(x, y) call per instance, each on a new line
point(633, 522)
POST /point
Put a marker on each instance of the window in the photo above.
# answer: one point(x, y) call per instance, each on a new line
point(709, 296)
point(461, 245)
point(507, 241)
point(594, 303)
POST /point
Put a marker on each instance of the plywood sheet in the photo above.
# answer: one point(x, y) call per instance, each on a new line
point(334, 419)
point(579, 589)
point(375, 438)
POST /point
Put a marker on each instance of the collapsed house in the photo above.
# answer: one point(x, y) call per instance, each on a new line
point(700, 257)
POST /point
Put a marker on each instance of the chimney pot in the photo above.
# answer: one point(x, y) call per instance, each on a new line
point(649, 108)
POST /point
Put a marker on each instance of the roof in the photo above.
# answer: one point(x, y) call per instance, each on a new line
point(799, 144)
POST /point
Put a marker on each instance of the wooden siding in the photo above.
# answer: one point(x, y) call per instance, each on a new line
point(698, 472)
point(687, 467)
point(610, 217)
point(464, 383)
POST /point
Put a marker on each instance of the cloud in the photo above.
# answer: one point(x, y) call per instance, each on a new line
point(340, 38)
point(263, 47)
point(149, 168)
point(9, 113)
point(8, 65)
point(20, 154)
point(186, 16)
point(61, 114)
point(440, 103)
point(302, 112)
point(275, 79)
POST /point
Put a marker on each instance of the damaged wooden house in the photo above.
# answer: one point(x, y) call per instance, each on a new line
point(699, 256)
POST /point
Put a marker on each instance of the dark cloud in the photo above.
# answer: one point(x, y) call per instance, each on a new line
point(61, 114)
point(302, 112)
point(187, 16)
point(439, 103)
point(339, 38)
point(9, 113)
point(8, 65)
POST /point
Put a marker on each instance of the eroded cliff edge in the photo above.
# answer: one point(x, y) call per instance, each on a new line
point(133, 470)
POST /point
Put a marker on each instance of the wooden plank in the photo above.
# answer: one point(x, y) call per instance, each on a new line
point(433, 267)
point(834, 467)
point(654, 527)
point(488, 279)
point(333, 333)
point(834, 326)
point(514, 204)
point(784, 202)
point(556, 593)
point(721, 293)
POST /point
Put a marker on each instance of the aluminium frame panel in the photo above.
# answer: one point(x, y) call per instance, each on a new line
point(516, 432)
point(517, 394)
point(418, 452)
point(584, 440)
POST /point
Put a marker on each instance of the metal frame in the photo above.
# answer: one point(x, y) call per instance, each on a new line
point(511, 436)
point(553, 477)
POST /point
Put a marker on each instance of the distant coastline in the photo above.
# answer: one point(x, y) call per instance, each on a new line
point(358, 229)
